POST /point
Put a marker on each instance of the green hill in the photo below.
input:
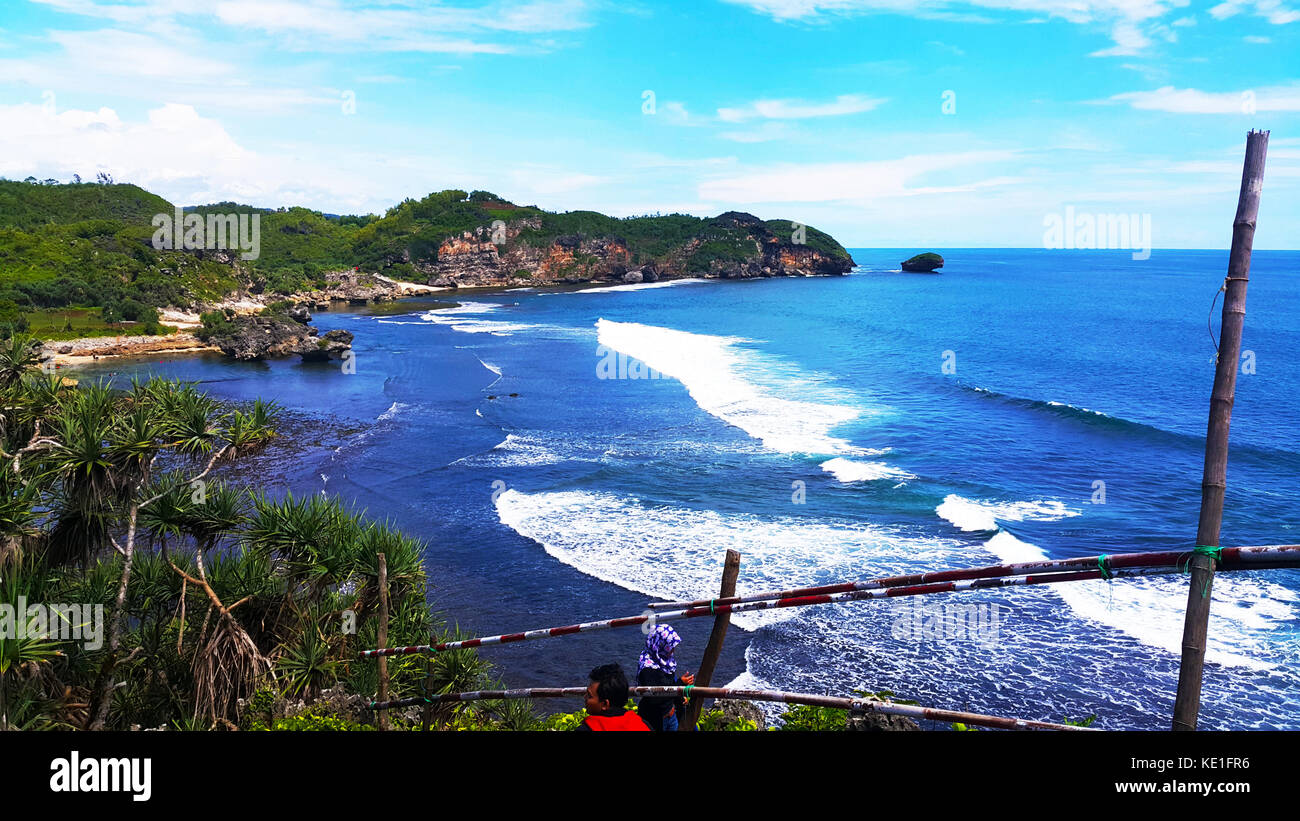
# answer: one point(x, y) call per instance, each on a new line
point(89, 245)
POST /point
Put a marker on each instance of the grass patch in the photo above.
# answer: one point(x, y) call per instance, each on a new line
point(59, 324)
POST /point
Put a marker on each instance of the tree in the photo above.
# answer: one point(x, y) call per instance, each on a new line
point(76, 179)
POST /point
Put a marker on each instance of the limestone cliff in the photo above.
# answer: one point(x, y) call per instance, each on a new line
point(732, 245)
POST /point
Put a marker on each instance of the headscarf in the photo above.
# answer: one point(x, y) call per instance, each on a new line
point(658, 652)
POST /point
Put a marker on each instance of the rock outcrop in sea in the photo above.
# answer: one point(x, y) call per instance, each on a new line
point(925, 263)
point(268, 337)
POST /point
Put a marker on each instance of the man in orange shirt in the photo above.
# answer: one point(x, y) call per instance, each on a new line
point(606, 695)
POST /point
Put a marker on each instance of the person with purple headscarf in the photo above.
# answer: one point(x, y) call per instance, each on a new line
point(658, 668)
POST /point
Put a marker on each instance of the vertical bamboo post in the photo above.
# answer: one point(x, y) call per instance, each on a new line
point(730, 570)
point(383, 636)
point(1187, 704)
point(427, 718)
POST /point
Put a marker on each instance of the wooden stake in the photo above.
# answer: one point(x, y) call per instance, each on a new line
point(730, 570)
point(383, 634)
point(1187, 704)
point(427, 718)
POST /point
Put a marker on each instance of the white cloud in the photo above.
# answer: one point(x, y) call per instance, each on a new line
point(114, 62)
point(534, 180)
point(1271, 10)
point(799, 110)
point(177, 153)
point(675, 112)
point(127, 54)
point(1195, 101)
point(853, 181)
point(1131, 22)
point(374, 25)
point(1129, 41)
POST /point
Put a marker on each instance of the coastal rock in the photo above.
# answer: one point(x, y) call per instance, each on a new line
point(330, 346)
point(872, 722)
point(925, 263)
point(299, 313)
point(265, 337)
point(633, 277)
point(334, 701)
point(735, 710)
point(353, 287)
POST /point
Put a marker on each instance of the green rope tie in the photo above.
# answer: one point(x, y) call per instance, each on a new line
point(711, 601)
point(1101, 565)
point(1214, 552)
point(686, 692)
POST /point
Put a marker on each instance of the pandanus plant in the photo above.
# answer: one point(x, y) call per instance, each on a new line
point(18, 354)
point(100, 457)
point(27, 653)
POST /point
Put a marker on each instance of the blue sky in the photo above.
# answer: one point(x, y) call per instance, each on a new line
point(885, 122)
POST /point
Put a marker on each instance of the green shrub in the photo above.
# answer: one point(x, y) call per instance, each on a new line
point(715, 721)
point(803, 718)
point(314, 722)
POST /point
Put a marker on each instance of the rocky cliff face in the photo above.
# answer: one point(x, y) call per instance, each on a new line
point(744, 247)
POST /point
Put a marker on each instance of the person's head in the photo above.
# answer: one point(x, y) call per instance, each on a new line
point(660, 644)
point(607, 691)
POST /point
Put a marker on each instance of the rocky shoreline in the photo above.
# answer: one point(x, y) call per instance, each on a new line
point(72, 352)
point(346, 291)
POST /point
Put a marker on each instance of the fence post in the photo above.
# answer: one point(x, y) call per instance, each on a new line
point(1187, 703)
point(383, 635)
point(730, 570)
point(427, 717)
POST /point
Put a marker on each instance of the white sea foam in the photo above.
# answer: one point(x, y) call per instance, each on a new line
point(848, 470)
point(392, 412)
point(472, 318)
point(516, 451)
point(675, 553)
point(970, 515)
point(720, 378)
point(637, 286)
point(1151, 610)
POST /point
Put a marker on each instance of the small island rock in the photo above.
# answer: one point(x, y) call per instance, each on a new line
point(923, 263)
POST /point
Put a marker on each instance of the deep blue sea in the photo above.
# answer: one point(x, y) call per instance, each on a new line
point(570, 454)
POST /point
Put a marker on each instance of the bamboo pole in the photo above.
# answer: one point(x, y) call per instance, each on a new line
point(1187, 703)
point(730, 571)
point(427, 717)
point(1234, 558)
point(383, 634)
point(836, 702)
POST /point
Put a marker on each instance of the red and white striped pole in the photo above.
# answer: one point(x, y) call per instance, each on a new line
point(1112, 561)
point(836, 702)
point(1244, 558)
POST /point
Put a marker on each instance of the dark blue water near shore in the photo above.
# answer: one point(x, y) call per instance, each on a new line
point(1023, 403)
